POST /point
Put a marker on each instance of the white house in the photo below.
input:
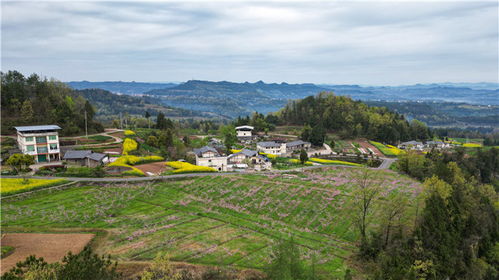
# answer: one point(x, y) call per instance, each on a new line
point(437, 145)
point(248, 157)
point(271, 147)
point(208, 156)
point(40, 141)
point(411, 145)
point(244, 132)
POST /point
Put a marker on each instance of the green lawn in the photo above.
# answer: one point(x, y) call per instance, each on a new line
point(229, 220)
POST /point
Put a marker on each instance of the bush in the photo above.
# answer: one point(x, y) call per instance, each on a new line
point(129, 133)
point(83, 266)
point(129, 145)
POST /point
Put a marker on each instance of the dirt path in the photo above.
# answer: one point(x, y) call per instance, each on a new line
point(51, 246)
point(364, 144)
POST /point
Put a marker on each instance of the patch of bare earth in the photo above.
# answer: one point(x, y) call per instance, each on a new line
point(154, 168)
point(51, 246)
point(364, 144)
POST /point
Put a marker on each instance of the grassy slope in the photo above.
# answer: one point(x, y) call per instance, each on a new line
point(230, 220)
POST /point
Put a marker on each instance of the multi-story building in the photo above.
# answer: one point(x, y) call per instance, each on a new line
point(244, 132)
point(40, 141)
point(271, 147)
point(208, 156)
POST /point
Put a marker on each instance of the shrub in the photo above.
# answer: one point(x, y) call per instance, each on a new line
point(129, 145)
point(185, 167)
point(129, 133)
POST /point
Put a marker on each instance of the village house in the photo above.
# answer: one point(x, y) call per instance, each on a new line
point(244, 133)
point(436, 144)
point(85, 158)
point(271, 147)
point(208, 156)
point(411, 145)
point(248, 158)
point(297, 145)
point(40, 141)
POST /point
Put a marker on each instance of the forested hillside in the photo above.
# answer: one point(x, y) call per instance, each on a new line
point(109, 106)
point(350, 118)
point(33, 100)
point(449, 114)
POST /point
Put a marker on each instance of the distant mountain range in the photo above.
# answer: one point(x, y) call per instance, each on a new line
point(235, 99)
point(130, 88)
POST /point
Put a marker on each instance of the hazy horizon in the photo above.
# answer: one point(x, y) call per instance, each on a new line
point(364, 43)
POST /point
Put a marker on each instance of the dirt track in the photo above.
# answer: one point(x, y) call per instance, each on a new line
point(51, 246)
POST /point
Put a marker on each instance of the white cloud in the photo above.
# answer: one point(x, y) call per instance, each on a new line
point(327, 42)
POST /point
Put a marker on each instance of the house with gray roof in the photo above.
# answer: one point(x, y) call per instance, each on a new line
point(411, 145)
point(271, 147)
point(248, 158)
point(209, 156)
point(85, 158)
point(298, 145)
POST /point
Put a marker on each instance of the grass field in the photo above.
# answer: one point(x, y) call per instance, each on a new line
point(9, 186)
point(213, 220)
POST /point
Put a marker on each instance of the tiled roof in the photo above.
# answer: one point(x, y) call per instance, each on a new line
point(296, 143)
point(268, 144)
point(77, 154)
point(205, 149)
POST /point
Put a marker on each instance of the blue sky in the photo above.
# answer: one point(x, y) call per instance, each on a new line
point(336, 42)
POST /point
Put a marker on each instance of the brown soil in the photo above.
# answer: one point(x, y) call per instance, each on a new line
point(118, 150)
point(364, 144)
point(51, 246)
point(155, 167)
point(119, 134)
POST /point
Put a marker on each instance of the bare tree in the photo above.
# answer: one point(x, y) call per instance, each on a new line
point(367, 191)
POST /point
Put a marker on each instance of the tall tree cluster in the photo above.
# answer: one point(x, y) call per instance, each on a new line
point(33, 100)
point(455, 234)
point(351, 118)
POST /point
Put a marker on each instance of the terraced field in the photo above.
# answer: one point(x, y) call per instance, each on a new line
point(220, 220)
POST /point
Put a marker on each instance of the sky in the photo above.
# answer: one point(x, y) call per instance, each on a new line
point(333, 42)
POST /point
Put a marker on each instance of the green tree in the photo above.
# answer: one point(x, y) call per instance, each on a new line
point(27, 112)
point(160, 269)
point(303, 156)
point(286, 263)
point(20, 162)
point(306, 133)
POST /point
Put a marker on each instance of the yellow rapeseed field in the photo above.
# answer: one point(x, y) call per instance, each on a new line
point(185, 167)
point(14, 185)
point(330, 161)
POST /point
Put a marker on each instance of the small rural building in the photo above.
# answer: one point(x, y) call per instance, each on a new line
point(246, 158)
point(244, 132)
point(85, 158)
point(208, 156)
point(298, 145)
point(40, 141)
point(436, 144)
point(271, 147)
point(411, 145)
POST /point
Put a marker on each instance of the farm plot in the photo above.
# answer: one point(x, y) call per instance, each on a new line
point(51, 246)
point(228, 220)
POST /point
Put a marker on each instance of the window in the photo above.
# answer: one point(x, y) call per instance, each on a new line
point(29, 139)
point(53, 146)
point(52, 137)
point(30, 148)
point(41, 149)
point(42, 139)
